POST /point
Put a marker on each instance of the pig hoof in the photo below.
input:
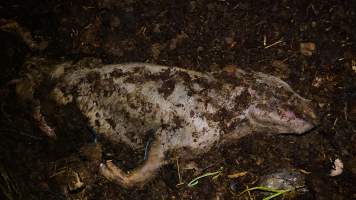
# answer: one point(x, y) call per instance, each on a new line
point(111, 172)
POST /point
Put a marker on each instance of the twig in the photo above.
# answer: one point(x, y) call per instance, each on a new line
point(179, 176)
point(277, 192)
point(345, 111)
point(21, 133)
point(195, 181)
point(273, 44)
point(335, 123)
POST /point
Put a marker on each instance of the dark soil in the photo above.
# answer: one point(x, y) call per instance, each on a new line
point(262, 35)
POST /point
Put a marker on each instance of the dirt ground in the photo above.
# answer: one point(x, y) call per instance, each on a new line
point(309, 44)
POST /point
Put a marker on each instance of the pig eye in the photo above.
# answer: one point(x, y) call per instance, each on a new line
point(279, 111)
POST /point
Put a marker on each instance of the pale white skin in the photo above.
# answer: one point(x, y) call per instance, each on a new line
point(185, 109)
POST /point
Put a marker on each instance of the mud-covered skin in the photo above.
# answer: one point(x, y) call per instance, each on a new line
point(185, 109)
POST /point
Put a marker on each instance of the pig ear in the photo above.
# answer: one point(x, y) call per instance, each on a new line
point(280, 83)
point(59, 70)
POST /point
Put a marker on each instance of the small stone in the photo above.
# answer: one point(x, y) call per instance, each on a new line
point(307, 48)
point(229, 40)
point(173, 44)
point(317, 82)
point(353, 65)
point(234, 186)
point(337, 168)
point(313, 24)
point(180, 37)
point(157, 28)
point(115, 22)
point(285, 179)
point(193, 6)
point(200, 48)
point(281, 69)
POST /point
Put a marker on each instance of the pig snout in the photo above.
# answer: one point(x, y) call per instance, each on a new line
point(305, 119)
point(309, 115)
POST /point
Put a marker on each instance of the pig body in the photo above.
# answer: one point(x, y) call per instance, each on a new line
point(186, 110)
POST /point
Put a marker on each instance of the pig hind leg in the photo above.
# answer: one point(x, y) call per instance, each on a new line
point(139, 175)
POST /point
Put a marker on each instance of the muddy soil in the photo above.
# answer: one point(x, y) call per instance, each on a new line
point(309, 44)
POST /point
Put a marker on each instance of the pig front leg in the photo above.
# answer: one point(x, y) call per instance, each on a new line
point(140, 175)
point(42, 123)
